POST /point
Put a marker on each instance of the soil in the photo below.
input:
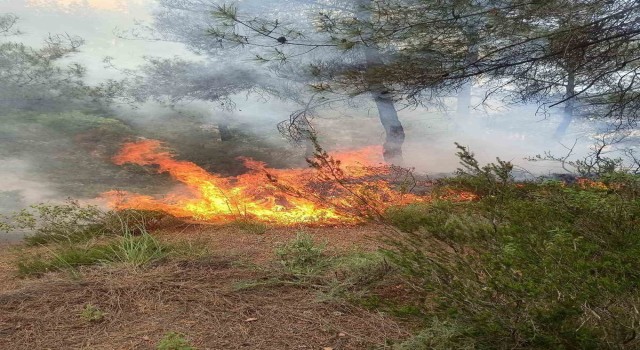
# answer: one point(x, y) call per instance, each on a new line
point(198, 298)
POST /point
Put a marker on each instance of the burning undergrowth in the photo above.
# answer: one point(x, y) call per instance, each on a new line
point(338, 188)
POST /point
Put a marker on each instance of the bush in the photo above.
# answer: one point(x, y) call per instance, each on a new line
point(251, 226)
point(302, 256)
point(360, 269)
point(69, 222)
point(133, 251)
point(531, 266)
point(354, 276)
point(438, 336)
point(73, 123)
point(72, 222)
point(137, 251)
point(135, 222)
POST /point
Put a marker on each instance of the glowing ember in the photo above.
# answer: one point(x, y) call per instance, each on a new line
point(341, 193)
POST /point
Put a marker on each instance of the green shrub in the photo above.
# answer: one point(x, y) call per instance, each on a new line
point(137, 251)
point(174, 341)
point(353, 276)
point(67, 257)
point(72, 222)
point(530, 266)
point(134, 251)
point(92, 314)
point(69, 222)
point(302, 256)
point(134, 221)
point(438, 336)
point(251, 226)
point(72, 123)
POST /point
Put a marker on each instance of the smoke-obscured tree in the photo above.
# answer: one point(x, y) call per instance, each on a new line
point(580, 54)
point(177, 82)
point(34, 78)
point(293, 40)
point(43, 78)
point(583, 54)
point(578, 50)
point(283, 37)
point(553, 53)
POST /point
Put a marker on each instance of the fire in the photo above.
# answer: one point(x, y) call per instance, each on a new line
point(340, 189)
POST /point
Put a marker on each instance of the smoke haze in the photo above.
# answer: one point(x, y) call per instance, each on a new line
point(47, 157)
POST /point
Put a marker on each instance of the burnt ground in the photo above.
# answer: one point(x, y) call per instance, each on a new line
point(198, 297)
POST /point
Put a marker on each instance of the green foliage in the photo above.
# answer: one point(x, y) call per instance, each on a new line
point(32, 78)
point(174, 341)
point(138, 251)
point(75, 122)
point(491, 179)
point(438, 336)
point(134, 221)
point(303, 262)
point(92, 313)
point(411, 217)
point(130, 250)
point(68, 222)
point(62, 258)
point(302, 256)
point(251, 226)
point(594, 164)
point(72, 222)
point(360, 268)
point(541, 265)
point(353, 275)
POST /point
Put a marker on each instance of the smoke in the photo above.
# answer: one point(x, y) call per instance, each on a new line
point(47, 156)
point(21, 184)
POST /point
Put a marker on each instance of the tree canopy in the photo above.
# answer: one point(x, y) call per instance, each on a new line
point(580, 55)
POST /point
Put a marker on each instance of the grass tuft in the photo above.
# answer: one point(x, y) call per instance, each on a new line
point(133, 251)
point(302, 256)
point(174, 341)
point(137, 251)
point(92, 313)
point(250, 226)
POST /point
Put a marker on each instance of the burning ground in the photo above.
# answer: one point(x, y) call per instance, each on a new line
point(456, 268)
point(338, 189)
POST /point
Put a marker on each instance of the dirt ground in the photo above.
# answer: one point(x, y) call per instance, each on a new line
point(198, 298)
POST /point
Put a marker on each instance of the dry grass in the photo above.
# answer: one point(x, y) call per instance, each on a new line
point(234, 243)
point(196, 298)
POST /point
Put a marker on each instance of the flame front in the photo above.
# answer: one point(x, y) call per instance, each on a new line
point(278, 196)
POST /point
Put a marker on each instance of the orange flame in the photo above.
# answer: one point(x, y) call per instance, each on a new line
point(279, 196)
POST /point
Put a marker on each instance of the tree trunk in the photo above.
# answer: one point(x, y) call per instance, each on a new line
point(392, 147)
point(569, 107)
point(225, 132)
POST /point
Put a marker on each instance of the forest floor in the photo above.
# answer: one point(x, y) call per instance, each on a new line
point(213, 301)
